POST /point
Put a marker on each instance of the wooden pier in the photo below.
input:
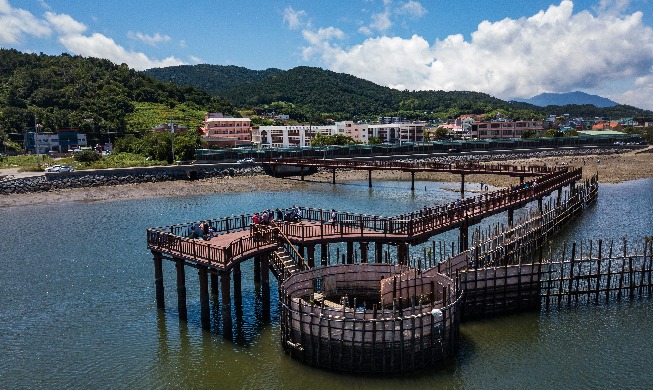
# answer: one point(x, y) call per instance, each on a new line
point(380, 312)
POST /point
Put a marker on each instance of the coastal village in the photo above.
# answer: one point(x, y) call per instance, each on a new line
point(221, 131)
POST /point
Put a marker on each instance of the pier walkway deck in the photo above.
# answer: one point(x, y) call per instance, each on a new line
point(236, 241)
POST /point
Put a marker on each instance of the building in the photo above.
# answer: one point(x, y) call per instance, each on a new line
point(64, 140)
point(302, 135)
point(504, 129)
point(224, 131)
point(166, 128)
point(398, 133)
point(289, 136)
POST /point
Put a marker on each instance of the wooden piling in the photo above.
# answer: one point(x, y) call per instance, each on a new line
point(225, 303)
point(158, 279)
point(181, 289)
point(205, 311)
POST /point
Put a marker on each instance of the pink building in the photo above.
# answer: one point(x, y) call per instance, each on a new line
point(225, 131)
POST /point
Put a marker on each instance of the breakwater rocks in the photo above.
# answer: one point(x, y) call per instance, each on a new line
point(110, 177)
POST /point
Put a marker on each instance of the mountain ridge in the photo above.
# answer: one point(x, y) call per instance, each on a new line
point(562, 99)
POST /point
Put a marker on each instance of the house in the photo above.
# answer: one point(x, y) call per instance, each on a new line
point(62, 141)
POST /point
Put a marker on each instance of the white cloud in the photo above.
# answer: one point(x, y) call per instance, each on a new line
point(383, 21)
point(293, 18)
point(151, 40)
point(554, 50)
point(65, 24)
point(15, 24)
point(98, 45)
point(412, 8)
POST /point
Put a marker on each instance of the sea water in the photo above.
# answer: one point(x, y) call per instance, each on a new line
point(77, 303)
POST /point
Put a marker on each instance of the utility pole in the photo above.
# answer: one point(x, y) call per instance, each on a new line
point(36, 142)
point(172, 130)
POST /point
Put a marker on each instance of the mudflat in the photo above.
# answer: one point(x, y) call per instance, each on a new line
point(612, 168)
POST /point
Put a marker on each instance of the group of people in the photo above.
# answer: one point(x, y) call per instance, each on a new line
point(204, 230)
point(266, 217)
point(263, 218)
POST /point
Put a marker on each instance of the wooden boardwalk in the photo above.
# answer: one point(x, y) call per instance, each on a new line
point(235, 241)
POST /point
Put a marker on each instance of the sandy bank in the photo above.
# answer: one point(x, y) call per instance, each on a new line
point(611, 169)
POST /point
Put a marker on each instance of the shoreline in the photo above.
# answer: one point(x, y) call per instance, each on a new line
point(612, 168)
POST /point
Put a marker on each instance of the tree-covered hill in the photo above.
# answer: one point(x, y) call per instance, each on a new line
point(307, 93)
point(315, 92)
point(212, 79)
point(92, 94)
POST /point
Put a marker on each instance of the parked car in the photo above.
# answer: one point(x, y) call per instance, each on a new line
point(54, 168)
point(246, 161)
point(66, 168)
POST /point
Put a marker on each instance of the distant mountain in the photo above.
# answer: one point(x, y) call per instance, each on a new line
point(315, 94)
point(563, 99)
point(212, 79)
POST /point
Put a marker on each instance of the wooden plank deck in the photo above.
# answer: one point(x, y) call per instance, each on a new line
point(236, 241)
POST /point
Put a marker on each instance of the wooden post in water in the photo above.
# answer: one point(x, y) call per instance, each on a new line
point(225, 303)
point(181, 289)
point(238, 294)
point(412, 181)
point(462, 186)
point(158, 279)
point(333, 180)
point(402, 253)
point(350, 252)
point(511, 217)
point(369, 178)
point(324, 254)
point(265, 287)
point(539, 204)
point(364, 246)
point(301, 172)
point(378, 252)
point(214, 284)
point(463, 241)
point(257, 270)
point(310, 249)
point(205, 311)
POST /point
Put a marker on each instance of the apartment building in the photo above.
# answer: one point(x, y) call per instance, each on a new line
point(504, 129)
point(289, 136)
point(224, 131)
point(301, 135)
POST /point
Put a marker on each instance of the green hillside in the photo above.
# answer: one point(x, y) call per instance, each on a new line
point(307, 93)
point(92, 94)
point(212, 79)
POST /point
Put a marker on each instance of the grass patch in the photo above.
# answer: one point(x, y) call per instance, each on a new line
point(28, 163)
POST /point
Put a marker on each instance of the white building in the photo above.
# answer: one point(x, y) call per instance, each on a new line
point(289, 136)
point(301, 135)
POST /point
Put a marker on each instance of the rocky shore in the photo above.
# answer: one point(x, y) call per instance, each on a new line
point(612, 165)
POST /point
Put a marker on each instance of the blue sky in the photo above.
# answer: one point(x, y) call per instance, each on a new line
point(506, 49)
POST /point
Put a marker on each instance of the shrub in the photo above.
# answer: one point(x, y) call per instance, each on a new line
point(87, 156)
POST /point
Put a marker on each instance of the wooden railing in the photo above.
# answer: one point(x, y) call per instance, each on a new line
point(469, 167)
point(408, 226)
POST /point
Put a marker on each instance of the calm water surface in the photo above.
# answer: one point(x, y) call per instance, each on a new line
point(77, 304)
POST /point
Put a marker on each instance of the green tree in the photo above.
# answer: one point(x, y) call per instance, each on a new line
point(336, 139)
point(87, 156)
point(374, 140)
point(186, 144)
point(441, 133)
